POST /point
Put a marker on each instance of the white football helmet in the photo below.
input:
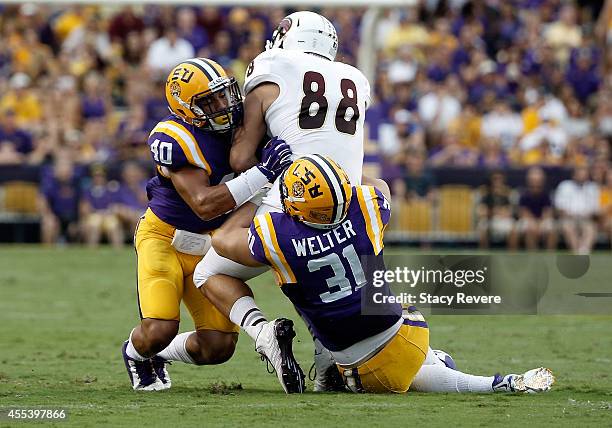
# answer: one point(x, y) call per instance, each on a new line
point(306, 32)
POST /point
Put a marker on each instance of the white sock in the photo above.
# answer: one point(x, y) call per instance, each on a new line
point(177, 350)
point(131, 351)
point(247, 315)
point(431, 359)
point(435, 378)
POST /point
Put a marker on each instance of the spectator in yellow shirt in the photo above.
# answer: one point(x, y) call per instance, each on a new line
point(565, 33)
point(22, 101)
point(409, 32)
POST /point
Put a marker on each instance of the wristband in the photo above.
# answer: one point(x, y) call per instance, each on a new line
point(246, 185)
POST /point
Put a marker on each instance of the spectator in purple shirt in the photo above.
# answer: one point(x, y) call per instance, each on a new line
point(492, 156)
point(583, 78)
point(93, 102)
point(59, 203)
point(132, 199)
point(156, 106)
point(189, 30)
point(97, 210)
point(15, 143)
point(536, 220)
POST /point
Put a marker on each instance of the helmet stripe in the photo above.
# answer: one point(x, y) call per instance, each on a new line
point(208, 66)
point(335, 173)
point(216, 67)
point(201, 68)
point(342, 197)
point(334, 185)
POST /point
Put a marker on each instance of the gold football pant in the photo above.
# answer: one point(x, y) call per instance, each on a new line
point(394, 367)
point(165, 277)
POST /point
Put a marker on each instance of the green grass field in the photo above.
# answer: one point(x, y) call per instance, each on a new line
point(64, 314)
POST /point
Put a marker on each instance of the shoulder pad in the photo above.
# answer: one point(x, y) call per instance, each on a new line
point(173, 145)
point(268, 66)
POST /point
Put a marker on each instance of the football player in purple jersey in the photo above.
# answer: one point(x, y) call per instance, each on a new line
point(323, 250)
point(189, 197)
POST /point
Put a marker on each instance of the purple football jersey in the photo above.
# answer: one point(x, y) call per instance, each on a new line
point(325, 273)
point(174, 145)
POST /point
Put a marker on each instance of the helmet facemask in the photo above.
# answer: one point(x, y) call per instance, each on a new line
point(279, 33)
point(219, 108)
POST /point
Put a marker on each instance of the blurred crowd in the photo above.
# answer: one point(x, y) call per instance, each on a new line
point(484, 84)
point(536, 216)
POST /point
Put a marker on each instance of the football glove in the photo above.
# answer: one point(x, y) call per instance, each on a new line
point(275, 158)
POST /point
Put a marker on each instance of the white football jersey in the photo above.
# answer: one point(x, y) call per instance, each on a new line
point(320, 109)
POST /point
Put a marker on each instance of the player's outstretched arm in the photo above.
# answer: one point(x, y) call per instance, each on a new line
point(208, 201)
point(232, 239)
point(253, 130)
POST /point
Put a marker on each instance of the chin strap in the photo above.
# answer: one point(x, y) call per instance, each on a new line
point(323, 226)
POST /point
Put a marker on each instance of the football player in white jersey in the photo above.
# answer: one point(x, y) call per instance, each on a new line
point(296, 91)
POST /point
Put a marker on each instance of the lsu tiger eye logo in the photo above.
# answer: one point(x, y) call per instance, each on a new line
point(322, 217)
point(175, 89)
point(298, 190)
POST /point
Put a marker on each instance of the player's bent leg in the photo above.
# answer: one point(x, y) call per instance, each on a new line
point(214, 340)
point(212, 264)
point(221, 281)
point(153, 335)
point(273, 339)
point(211, 346)
point(160, 289)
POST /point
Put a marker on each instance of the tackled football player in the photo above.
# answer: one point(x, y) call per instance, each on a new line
point(297, 90)
point(324, 249)
point(190, 196)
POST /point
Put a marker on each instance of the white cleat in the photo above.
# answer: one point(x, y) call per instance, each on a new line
point(274, 343)
point(532, 381)
point(161, 370)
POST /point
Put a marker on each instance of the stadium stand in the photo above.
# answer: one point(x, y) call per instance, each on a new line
point(461, 89)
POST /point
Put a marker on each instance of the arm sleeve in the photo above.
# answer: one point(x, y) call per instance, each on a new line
point(384, 207)
point(265, 248)
point(376, 213)
point(264, 68)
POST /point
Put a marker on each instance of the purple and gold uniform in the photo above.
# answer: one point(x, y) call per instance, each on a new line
point(165, 275)
point(322, 273)
point(174, 145)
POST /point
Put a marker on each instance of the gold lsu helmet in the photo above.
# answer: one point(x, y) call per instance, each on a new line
point(316, 191)
point(200, 92)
